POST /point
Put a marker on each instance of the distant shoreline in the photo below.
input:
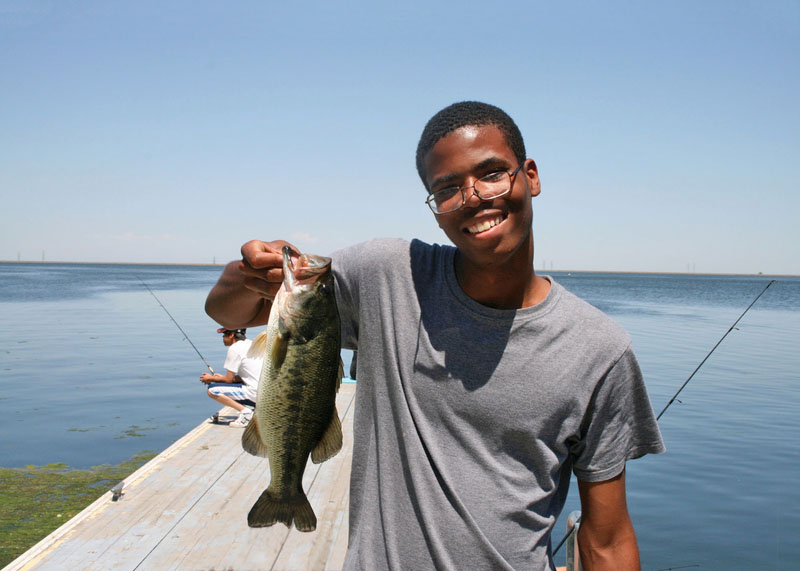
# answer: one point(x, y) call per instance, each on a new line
point(643, 273)
point(757, 275)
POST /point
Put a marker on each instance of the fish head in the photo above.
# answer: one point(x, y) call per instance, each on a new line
point(309, 293)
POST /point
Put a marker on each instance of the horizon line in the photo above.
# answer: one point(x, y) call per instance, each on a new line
point(216, 265)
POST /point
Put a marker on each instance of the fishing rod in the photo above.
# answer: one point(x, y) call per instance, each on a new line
point(176, 324)
point(686, 382)
point(675, 396)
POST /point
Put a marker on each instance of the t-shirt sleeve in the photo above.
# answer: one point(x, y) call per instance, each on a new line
point(619, 424)
point(358, 270)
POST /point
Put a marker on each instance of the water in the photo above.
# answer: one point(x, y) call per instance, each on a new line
point(93, 370)
point(723, 496)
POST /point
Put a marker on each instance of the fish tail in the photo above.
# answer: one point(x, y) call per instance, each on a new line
point(269, 510)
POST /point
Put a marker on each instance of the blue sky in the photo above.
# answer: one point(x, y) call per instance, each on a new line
point(666, 134)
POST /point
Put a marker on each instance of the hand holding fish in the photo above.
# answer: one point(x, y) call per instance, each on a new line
point(262, 266)
point(243, 295)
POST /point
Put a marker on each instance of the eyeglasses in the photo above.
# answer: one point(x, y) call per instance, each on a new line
point(452, 198)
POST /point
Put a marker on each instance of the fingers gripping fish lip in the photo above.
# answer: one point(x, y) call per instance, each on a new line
point(307, 269)
point(306, 278)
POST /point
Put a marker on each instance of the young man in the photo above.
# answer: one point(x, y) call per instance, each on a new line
point(481, 385)
point(238, 387)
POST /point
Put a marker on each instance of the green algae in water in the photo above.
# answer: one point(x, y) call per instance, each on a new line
point(135, 431)
point(36, 500)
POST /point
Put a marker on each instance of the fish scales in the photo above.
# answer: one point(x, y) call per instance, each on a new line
point(295, 410)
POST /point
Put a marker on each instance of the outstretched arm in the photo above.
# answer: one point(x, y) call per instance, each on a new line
point(243, 295)
point(606, 538)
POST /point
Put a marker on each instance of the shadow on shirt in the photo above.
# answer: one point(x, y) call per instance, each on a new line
point(457, 339)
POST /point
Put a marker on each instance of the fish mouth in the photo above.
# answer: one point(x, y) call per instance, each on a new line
point(306, 269)
point(484, 224)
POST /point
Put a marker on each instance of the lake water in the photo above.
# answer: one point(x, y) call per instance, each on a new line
point(93, 370)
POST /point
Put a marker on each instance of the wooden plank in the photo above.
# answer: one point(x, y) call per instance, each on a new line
point(64, 537)
point(216, 535)
point(124, 532)
point(187, 508)
point(231, 499)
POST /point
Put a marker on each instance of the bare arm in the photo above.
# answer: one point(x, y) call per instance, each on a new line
point(243, 295)
point(606, 538)
point(228, 377)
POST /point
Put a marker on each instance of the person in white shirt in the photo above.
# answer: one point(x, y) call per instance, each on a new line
point(238, 387)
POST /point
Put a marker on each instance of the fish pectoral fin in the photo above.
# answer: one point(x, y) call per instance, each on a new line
point(251, 439)
point(331, 441)
point(279, 348)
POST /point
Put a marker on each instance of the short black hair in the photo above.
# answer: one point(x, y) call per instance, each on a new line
point(463, 114)
point(238, 334)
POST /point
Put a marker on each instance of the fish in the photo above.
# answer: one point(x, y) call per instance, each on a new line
point(295, 415)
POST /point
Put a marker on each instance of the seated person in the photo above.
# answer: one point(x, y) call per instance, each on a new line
point(238, 387)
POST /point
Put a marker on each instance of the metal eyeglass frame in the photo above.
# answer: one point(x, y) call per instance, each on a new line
point(430, 201)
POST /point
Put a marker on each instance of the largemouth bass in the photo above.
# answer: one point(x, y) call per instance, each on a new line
point(295, 412)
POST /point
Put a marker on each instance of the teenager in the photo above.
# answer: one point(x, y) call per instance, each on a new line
point(482, 386)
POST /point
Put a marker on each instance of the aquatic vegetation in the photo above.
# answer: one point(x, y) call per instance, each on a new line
point(135, 431)
point(36, 500)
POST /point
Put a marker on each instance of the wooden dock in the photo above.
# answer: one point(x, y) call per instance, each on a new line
point(187, 509)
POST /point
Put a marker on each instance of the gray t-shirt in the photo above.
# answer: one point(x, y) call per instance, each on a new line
point(469, 420)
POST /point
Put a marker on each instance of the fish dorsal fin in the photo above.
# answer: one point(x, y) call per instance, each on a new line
point(258, 348)
point(331, 441)
point(251, 439)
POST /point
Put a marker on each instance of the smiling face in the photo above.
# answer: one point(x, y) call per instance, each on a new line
point(488, 233)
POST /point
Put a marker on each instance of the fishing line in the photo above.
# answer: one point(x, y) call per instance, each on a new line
point(566, 537)
point(675, 396)
point(686, 382)
point(176, 324)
